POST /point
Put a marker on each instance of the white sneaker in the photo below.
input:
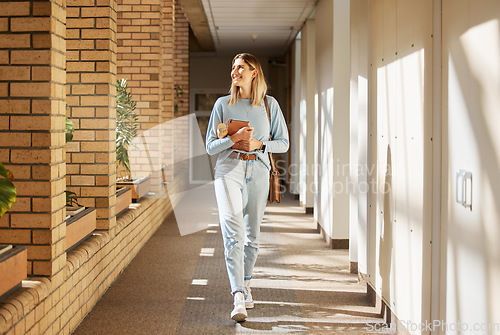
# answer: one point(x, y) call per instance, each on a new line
point(239, 312)
point(248, 295)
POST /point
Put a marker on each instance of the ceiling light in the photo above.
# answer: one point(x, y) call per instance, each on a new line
point(255, 28)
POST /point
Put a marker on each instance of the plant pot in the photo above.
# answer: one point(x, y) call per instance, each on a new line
point(140, 187)
point(123, 199)
point(73, 210)
point(80, 227)
point(13, 267)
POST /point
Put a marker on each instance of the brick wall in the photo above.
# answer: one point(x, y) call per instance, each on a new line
point(153, 55)
point(167, 84)
point(181, 61)
point(32, 110)
point(91, 77)
point(181, 98)
point(38, 78)
point(139, 61)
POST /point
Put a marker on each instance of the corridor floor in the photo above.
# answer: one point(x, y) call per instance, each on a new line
point(178, 285)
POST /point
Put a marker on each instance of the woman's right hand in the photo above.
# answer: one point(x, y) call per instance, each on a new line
point(244, 134)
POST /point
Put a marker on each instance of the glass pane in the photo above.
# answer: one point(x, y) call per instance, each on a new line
point(203, 123)
point(205, 101)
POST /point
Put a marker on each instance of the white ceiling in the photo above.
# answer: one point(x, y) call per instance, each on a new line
point(261, 27)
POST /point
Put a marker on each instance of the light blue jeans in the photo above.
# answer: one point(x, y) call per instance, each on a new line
point(241, 189)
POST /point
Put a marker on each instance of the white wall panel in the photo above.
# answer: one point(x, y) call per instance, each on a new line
point(324, 93)
point(307, 114)
point(471, 104)
point(333, 77)
point(401, 103)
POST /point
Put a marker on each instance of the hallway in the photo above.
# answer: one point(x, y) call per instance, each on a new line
point(179, 285)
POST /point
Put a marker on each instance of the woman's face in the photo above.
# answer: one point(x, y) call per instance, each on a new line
point(241, 74)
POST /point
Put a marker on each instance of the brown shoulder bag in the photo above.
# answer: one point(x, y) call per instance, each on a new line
point(274, 177)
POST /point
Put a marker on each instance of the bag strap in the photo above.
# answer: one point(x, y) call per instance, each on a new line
point(271, 159)
point(268, 115)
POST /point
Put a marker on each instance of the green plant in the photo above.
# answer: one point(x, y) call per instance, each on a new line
point(71, 199)
point(70, 128)
point(179, 93)
point(8, 191)
point(126, 123)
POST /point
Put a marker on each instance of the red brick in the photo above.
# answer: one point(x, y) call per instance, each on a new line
point(80, 44)
point(42, 9)
point(82, 180)
point(30, 24)
point(30, 57)
point(15, 8)
point(4, 24)
point(32, 122)
point(83, 158)
point(96, 34)
point(72, 33)
point(21, 205)
point(54, 139)
point(45, 172)
point(80, 3)
point(44, 236)
point(43, 41)
point(4, 89)
point(38, 220)
point(96, 78)
point(5, 220)
point(18, 236)
point(16, 139)
point(93, 169)
point(95, 55)
point(80, 23)
point(95, 124)
point(4, 123)
point(15, 106)
point(82, 89)
point(97, 147)
point(96, 12)
point(20, 171)
point(80, 67)
point(30, 156)
point(31, 89)
point(41, 252)
point(14, 41)
point(97, 101)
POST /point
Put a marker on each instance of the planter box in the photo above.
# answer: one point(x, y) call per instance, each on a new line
point(79, 227)
point(13, 268)
point(72, 211)
point(123, 199)
point(140, 187)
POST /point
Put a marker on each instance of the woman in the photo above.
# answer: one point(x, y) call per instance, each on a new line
point(242, 172)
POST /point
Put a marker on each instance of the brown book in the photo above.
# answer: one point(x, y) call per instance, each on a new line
point(233, 126)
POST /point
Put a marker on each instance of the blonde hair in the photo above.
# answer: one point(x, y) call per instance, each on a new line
point(259, 85)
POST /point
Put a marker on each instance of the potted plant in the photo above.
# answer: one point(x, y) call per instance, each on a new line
point(72, 205)
point(13, 259)
point(179, 94)
point(80, 221)
point(126, 130)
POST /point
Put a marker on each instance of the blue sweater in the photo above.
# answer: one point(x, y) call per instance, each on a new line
point(257, 116)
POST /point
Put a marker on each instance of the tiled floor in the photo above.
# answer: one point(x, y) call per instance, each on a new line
point(179, 285)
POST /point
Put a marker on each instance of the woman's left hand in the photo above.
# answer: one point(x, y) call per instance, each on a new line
point(251, 145)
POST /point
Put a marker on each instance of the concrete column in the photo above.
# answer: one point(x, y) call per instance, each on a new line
point(333, 80)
